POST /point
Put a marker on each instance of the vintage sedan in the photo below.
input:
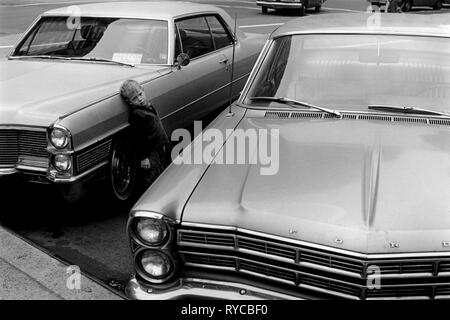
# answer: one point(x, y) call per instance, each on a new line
point(299, 5)
point(62, 120)
point(407, 5)
point(359, 206)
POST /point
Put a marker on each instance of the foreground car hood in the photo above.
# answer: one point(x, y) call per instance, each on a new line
point(38, 92)
point(355, 185)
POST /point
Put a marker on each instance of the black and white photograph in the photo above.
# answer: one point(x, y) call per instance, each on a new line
point(225, 150)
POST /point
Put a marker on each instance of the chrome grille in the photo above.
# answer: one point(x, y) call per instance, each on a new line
point(92, 156)
point(407, 267)
point(444, 266)
point(267, 248)
point(14, 143)
point(9, 149)
point(316, 258)
point(33, 143)
point(266, 270)
point(304, 266)
point(416, 292)
point(330, 285)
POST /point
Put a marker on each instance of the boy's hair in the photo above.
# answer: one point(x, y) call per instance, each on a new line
point(129, 89)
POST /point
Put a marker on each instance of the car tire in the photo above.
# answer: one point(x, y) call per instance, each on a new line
point(264, 10)
point(302, 11)
point(438, 5)
point(122, 173)
point(407, 6)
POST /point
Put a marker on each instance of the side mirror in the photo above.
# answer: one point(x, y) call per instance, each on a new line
point(183, 60)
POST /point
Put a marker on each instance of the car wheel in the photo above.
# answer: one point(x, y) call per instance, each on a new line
point(264, 10)
point(438, 5)
point(407, 5)
point(122, 173)
point(302, 11)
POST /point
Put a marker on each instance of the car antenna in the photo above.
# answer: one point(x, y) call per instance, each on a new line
point(230, 113)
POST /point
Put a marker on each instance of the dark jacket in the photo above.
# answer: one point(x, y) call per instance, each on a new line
point(147, 130)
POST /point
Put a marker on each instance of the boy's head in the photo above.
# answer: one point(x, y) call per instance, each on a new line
point(133, 93)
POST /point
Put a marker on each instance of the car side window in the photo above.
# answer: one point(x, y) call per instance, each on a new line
point(221, 36)
point(195, 36)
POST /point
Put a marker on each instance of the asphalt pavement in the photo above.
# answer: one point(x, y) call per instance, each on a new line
point(92, 234)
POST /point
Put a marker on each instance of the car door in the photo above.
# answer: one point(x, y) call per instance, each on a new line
point(208, 71)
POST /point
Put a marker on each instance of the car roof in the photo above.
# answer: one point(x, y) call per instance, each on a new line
point(159, 10)
point(352, 22)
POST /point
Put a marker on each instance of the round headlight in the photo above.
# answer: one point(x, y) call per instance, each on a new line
point(156, 264)
point(62, 162)
point(151, 231)
point(59, 138)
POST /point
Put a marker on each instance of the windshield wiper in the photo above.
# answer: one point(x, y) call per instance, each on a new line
point(410, 110)
point(40, 57)
point(103, 60)
point(296, 103)
point(71, 59)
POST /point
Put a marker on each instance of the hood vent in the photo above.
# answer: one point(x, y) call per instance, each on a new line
point(356, 116)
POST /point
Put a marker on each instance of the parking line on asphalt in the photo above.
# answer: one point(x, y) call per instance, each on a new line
point(4, 47)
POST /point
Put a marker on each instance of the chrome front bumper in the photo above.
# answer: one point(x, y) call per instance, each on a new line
point(279, 5)
point(201, 288)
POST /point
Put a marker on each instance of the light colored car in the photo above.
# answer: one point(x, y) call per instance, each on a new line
point(62, 120)
point(407, 5)
point(359, 207)
point(299, 5)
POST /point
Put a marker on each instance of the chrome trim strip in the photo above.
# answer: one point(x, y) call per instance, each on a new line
point(255, 70)
point(363, 32)
point(30, 168)
point(319, 246)
point(7, 171)
point(23, 127)
point(203, 288)
point(149, 214)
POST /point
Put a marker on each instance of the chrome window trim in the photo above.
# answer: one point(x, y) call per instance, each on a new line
point(363, 32)
point(255, 70)
point(25, 34)
point(223, 22)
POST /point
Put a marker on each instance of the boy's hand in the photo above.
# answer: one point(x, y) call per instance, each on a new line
point(145, 164)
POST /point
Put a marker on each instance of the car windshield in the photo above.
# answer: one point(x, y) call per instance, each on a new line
point(352, 72)
point(133, 41)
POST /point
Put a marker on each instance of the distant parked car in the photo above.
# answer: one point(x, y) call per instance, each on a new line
point(299, 6)
point(62, 120)
point(359, 208)
point(407, 5)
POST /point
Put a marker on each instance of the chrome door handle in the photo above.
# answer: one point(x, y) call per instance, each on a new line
point(224, 60)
